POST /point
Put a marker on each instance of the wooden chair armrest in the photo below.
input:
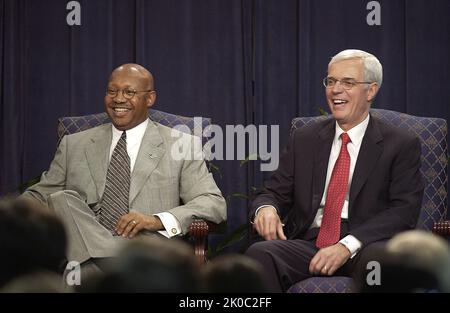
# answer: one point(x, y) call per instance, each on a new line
point(441, 228)
point(198, 233)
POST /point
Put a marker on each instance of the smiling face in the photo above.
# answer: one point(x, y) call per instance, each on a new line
point(349, 107)
point(128, 113)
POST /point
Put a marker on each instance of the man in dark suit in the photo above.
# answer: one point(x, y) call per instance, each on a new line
point(343, 187)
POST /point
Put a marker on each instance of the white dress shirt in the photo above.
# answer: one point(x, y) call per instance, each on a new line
point(356, 135)
point(134, 138)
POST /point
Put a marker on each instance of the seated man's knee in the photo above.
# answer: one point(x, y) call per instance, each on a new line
point(59, 199)
point(64, 193)
point(259, 248)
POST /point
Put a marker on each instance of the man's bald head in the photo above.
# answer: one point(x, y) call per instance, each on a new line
point(136, 69)
point(130, 93)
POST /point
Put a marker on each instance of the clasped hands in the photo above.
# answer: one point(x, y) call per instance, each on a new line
point(325, 262)
point(133, 222)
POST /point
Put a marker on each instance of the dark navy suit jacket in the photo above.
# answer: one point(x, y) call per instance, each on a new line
point(386, 190)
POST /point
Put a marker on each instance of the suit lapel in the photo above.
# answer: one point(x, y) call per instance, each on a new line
point(370, 151)
point(97, 155)
point(150, 153)
point(322, 156)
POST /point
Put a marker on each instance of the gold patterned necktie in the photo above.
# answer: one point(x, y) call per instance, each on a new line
point(115, 200)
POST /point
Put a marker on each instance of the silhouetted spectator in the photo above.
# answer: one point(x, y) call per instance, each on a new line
point(38, 282)
point(31, 239)
point(235, 273)
point(149, 264)
point(412, 261)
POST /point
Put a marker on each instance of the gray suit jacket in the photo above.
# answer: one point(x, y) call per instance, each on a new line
point(159, 183)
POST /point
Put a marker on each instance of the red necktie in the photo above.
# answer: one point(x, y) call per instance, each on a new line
point(337, 189)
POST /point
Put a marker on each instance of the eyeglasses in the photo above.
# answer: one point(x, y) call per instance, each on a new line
point(346, 83)
point(127, 93)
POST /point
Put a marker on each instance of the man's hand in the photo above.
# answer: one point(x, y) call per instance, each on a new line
point(268, 224)
point(328, 260)
point(132, 223)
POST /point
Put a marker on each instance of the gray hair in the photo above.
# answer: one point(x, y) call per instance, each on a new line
point(373, 70)
point(423, 250)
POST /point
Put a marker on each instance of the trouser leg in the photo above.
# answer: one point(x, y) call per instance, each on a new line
point(87, 238)
point(285, 262)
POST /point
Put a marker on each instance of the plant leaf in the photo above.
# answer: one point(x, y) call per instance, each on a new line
point(236, 236)
point(238, 195)
point(322, 111)
point(29, 183)
point(210, 254)
point(251, 157)
point(216, 168)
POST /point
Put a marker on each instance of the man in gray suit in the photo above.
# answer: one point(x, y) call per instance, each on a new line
point(79, 184)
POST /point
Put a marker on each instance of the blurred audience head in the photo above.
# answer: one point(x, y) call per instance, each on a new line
point(31, 239)
point(150, 264)
point(414, 261)
point(234, 273)
point(38, 282)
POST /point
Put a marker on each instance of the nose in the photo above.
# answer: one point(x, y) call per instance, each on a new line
point(119, 98)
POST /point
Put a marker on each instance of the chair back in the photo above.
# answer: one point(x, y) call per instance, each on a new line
point(433, 137)
point(74, 124)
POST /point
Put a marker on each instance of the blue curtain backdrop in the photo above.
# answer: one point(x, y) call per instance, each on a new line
point(236, 61)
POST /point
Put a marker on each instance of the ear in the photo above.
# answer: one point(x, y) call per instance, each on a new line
point(151, 98)
point(372, 92)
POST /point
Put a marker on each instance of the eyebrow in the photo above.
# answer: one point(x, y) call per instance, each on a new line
point(342, 78)
point(126, 86)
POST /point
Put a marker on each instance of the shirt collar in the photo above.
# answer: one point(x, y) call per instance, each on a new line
point(356, 134)
point(135, 133)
